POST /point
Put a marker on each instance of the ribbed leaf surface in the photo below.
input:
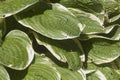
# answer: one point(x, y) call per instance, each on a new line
point(91, 23)
point(104, 51)
point(10, 7)
point(42, 70)
point(67, 74)
point(3, 74)
point(53, 21)
point(16, 50)
point(65, 50)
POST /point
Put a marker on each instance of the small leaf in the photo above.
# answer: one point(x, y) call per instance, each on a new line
point(51, 20)
point(16, 50)
point(40, 70)
point(3, 74)
point(63, 50)
point(10, 7)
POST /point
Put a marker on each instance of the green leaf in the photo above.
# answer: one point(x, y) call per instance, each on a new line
point(63, 50)
point(112, 6)
point(42, 70)
point(111, 33)
point(16, 50)
point(53, 21)
point(102, 72)
point(96, 76)
point(91, 23)
point(3, 74)
point(1, 27)
point(86, 5)
point(67, 74)
point(104, 51)
point(10, 7)
point(110, 74)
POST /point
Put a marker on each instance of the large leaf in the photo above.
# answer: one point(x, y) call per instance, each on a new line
point(42, 70)
point(104, 51)
point(10, 7)
point(91, 23)
point(64, 50)
point(3, 74)
point(16, 50)
point(51, 20)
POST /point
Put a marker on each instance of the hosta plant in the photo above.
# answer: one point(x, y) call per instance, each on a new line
point(59, 39)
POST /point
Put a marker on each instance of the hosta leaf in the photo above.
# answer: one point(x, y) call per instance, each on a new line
point(91, 23)
point(53, 21)
point(110, 74)
point(1, 27)
point(64, 50)
point(102, 72)
point(111, 6)
point(104, 51)
point(97, 76)
point(3, 74)
point(87, 5)
point(16, 50)
point(40, 70)
point(67, 74)
point(115, 19)
point(10, 7)
point(113, 33)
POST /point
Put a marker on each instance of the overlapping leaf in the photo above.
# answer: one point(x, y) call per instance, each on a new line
point(86, 5)
point(42, 70)
point(104, 51)
point(16, 50)
point(66, 74)
point(51, 20)
point(91, 23)
point(3, 74)
point(111, 33)
point(102, 73)
point(65, 50)
point(10, 7)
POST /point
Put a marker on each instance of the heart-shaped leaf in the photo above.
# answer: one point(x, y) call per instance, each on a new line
point(3, 74)
point(10, 7)
point(53, 21)
point(63, 50)
point(16, 50)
